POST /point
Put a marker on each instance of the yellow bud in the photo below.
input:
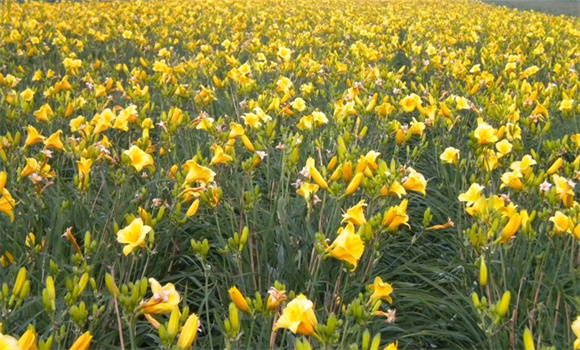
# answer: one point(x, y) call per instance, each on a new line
point(528, 340)
point(482, 272)
point(318, 178)
point(192, 208)
point(3, 178)
point(332, 163)
point(188, 332)
point(555, 166)
point(475, 300)
point(347, 171)
point(20, 279)
point(28, 340)
point(83, 282)
point(247, 143)
point(234, 318)
point(504, 304)
point(354, 184)
point(50, 288)
point(239, 300)
point(400, 137)
point(173, 325)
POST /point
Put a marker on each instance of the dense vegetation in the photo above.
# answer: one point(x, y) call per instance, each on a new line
point(306, 174)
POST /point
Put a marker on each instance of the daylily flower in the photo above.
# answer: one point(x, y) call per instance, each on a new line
point(562, 223)
point(450, 155)
point(415, 182)
point(410, 102)
point(298, 316)
point(33, 137)
point(355, 214)
point(163, 301)
point(197, 173)
point(396, 216)
point(348, 246)
point(219, 156)
point(381, 290)
point(485, 133)
point(139, 158)
point(307, 190)
point(133, 236)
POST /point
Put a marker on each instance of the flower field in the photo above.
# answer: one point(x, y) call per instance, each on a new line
point(301, 175)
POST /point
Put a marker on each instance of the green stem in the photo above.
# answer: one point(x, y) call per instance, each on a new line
point(132, 335)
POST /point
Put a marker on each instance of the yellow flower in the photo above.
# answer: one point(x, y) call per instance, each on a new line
point(484, 133)
point(283, 84)
point(415, 182)
point(239, 300)
point(576, 329)
point(416, 127)
point(188, 332)
point(348, 246)
point(564, 189)
point(83, 342)
point(298, 104)
point(512, 179)
point(307, 189)
point(27, 95)
point(562, 223)
point(84, 166)
point(392, 346)
point(284, 53)
point(381, 290)
point(450, 155)
point(139, 158)
point(525, 165)
point(219, 157)
point(355, 214)
point(461, 103)
point(164, 299)
point(43, 113)
point(410, 102)
point(319, 118)
point(504, 147)
point(6, 260)
point(236, 130)
point(53, 141)
point(489, 160)
point(306, 123)
point(7, 204)
point(275, 297)
point(133, 236)
point(566, 105)
point(576, 139)
point(8, 343)
point(255, 120)
point(298, 316)
point(197, 173)
point(396, 189)
point(33, 136)
point(396, 216)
